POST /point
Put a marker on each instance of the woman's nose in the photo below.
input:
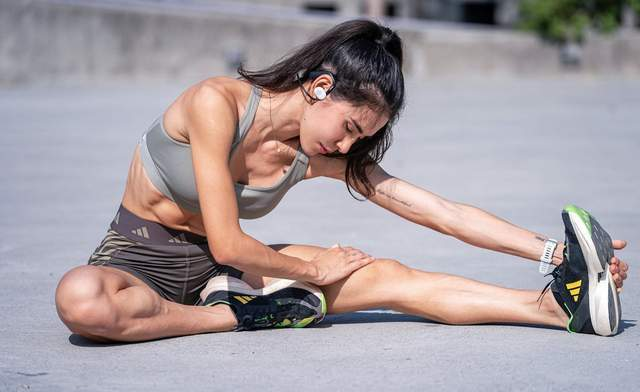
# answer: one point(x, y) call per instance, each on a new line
point(345, 144)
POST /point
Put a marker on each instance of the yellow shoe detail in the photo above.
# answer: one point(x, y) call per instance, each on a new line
point(575, 292)
point(284, 323)
point(575, 298)
point(574, 285)
point(241, 299)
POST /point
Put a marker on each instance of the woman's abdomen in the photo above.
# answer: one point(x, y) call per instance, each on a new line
point(143, 199)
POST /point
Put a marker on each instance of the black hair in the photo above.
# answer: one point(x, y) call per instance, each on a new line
point(366, 59)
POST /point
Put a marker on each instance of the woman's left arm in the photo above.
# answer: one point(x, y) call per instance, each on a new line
point(464, 222)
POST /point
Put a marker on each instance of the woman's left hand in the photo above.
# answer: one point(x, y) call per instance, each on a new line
point(618, 267)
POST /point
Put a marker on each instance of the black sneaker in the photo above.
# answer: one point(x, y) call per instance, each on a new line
point(583, 284)
point(283, 303)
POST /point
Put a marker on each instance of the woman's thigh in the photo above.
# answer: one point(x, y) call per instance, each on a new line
point(90, 281)
point(378, 284)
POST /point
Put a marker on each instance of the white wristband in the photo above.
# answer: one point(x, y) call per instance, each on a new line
point(547, 255)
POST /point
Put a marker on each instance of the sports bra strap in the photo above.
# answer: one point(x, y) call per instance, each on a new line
point(249, 114)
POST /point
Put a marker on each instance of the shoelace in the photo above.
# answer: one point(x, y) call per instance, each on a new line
point(547, 287)
point(555, 273)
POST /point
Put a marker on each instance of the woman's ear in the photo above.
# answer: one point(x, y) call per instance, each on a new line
point(325, 81)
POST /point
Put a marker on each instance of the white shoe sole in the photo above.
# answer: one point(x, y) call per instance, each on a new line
point(599, 301)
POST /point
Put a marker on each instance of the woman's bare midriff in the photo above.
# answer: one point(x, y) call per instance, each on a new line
point(143, 199)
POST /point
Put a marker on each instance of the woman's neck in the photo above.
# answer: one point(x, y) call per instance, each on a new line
point(283, 114)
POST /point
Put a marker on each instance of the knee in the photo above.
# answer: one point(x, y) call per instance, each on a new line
point(387, 271)
point(82, 302)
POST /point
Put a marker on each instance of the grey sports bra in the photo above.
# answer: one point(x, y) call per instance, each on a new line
point(169, 166)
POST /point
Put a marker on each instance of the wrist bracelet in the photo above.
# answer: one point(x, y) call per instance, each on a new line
point(547, 255)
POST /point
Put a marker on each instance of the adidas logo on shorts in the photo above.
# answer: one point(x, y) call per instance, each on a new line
point(141, 232)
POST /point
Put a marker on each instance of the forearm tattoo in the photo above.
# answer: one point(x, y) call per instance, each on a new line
point(390, 194)
point(542, 239)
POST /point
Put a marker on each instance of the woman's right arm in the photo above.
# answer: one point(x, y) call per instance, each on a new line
point(211, 121)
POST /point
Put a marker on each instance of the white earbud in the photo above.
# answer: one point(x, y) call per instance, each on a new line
point(320, 93)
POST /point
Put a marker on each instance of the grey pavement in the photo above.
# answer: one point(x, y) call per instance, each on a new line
point(520, 149)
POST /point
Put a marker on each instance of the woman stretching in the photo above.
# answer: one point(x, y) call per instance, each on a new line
point(175, 260)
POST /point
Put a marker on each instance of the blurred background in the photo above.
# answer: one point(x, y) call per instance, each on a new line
point(79, 40)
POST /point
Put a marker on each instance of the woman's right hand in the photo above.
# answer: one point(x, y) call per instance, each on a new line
point(338, 262)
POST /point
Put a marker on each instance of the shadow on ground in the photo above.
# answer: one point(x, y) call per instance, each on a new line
point(372, 317)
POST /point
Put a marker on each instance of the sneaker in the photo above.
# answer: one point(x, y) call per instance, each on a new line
point(282, 303)
point(583, 284)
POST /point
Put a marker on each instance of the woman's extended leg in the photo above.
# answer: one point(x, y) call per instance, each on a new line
point(103, 304)
point(440, 297)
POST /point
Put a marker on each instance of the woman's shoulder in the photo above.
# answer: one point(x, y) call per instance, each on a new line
point(215, 96)
point(216, 100)
point(218, 90)
point(225, 85)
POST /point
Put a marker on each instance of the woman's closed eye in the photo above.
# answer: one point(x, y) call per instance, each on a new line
point(350, 131)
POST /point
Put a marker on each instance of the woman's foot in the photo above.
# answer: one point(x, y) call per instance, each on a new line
point(282, 303)
point(583, 284)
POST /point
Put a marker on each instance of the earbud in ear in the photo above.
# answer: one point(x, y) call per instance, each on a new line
point(320, 93)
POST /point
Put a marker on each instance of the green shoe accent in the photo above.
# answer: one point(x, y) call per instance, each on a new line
point(262, 319)
point(284, 323)
point(570, 319)
point(584, 215)
point(303, 323)
point(324, 304)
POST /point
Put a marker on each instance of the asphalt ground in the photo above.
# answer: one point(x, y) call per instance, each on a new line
point(519, 149)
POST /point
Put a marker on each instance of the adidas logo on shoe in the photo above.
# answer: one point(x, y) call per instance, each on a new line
point(574, 289)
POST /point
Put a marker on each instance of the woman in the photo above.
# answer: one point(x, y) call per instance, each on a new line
point(176, 262)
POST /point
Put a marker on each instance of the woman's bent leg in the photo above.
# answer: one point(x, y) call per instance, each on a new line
point(441, 297)
point(104, 303)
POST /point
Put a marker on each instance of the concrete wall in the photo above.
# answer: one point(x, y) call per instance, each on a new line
point(71, 40)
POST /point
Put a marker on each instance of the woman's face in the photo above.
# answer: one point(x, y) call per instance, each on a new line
point(334, 125)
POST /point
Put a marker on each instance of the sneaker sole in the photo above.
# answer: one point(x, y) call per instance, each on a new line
point(595, 243)
point(228, 283)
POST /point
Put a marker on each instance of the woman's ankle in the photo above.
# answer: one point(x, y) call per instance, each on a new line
point(554, 309)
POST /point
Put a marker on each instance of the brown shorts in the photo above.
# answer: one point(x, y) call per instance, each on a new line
point(176, 264)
